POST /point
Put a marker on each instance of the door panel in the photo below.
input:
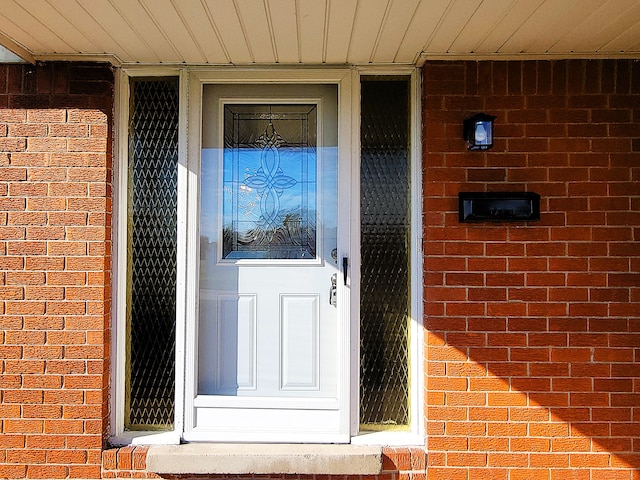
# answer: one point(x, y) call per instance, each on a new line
point(269, 360)
point(299, 326)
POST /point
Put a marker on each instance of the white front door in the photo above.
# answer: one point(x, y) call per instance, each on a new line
point(270, 361)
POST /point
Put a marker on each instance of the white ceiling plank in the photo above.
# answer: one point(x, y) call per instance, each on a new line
point(629, 34)
point(556, 29)
point(366, 28)
point(452, 25)
point(155, 39)
point(339, 30)
point(311, 30)
point(284, 23)
point(535, 25)
point(45, 33)
point(46, 13)
point(602, 42)
point(253, 17)
point(591, 28)
point(172, 23)
point(226, 22)
point(78, 16)
point(197, 20)
point(400, 14)
point(508, 26)
point(133, 47)
point(422, 27)
point(19, 36)
point(480, 25)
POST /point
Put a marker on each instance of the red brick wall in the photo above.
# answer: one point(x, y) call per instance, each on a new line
point(55, 217)
point(533, 330)
point(533, 342)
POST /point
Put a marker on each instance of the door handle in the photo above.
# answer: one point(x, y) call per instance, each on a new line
point(345, 268)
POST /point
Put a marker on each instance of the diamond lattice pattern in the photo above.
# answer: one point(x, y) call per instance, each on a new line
point(384, 374)
point(152, 252)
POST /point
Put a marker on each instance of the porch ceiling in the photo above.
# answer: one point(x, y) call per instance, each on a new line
point(317, 31)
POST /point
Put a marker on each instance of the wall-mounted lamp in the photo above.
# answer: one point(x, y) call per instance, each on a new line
point(478, 131)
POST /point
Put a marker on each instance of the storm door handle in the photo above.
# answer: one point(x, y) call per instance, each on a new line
point(345, 268)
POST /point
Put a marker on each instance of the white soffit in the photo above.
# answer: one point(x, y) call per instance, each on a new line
point(266, 32)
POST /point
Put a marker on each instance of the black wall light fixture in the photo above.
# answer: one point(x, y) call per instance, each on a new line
point(478, 131)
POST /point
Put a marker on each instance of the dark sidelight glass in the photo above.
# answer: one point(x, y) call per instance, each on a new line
point(152, 221)
point(385, 252)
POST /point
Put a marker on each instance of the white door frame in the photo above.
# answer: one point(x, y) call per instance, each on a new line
point(348, 81)
point(415, 434)
point(198, 78)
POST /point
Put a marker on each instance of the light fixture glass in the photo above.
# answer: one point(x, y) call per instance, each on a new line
point(478, 131)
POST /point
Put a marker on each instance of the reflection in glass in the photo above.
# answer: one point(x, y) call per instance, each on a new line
point(269, 181)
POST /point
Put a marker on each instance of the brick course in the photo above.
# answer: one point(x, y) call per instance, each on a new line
point(55, 157)
point(533, 328)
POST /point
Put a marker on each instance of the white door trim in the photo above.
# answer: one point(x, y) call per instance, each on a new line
point(348, 80)
point(415, 435)
point(197, 78)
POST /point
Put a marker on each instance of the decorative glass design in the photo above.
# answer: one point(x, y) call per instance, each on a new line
point(269, 181)
point(153, 154)
point(385, 248)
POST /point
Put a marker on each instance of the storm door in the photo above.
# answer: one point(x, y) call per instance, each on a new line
point(270, 358)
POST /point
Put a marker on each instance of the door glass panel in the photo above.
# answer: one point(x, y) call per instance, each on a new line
point(269, 181)
point(385, 249)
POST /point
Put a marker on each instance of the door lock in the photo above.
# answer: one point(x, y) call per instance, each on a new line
point(333, 291)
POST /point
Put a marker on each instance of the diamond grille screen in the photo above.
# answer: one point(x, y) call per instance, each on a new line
point(153, 137)
point(385, 247)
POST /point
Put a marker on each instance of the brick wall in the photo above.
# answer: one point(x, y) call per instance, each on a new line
point(533, 342)
point(55, 217)
point(533, 338)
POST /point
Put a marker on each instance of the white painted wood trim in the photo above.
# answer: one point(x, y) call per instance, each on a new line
point(347, 294)
point(199, 77)
point(417, 394)
point(153, 70)
point(355, 254)
point(416, 434)
point(191, 81)
point(16, 48)
point(77, 57)
point(273, 74)
point(119, 252)
point(192, 213)
point(182, 292)
point(477, 57)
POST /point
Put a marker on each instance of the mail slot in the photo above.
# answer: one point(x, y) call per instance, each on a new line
point(498, 206)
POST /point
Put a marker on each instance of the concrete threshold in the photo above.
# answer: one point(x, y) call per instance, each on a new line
point(232, 459)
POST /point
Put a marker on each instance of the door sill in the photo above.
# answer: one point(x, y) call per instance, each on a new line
point(239, 459)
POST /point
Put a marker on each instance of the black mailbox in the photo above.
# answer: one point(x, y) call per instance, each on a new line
point(498, 206)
